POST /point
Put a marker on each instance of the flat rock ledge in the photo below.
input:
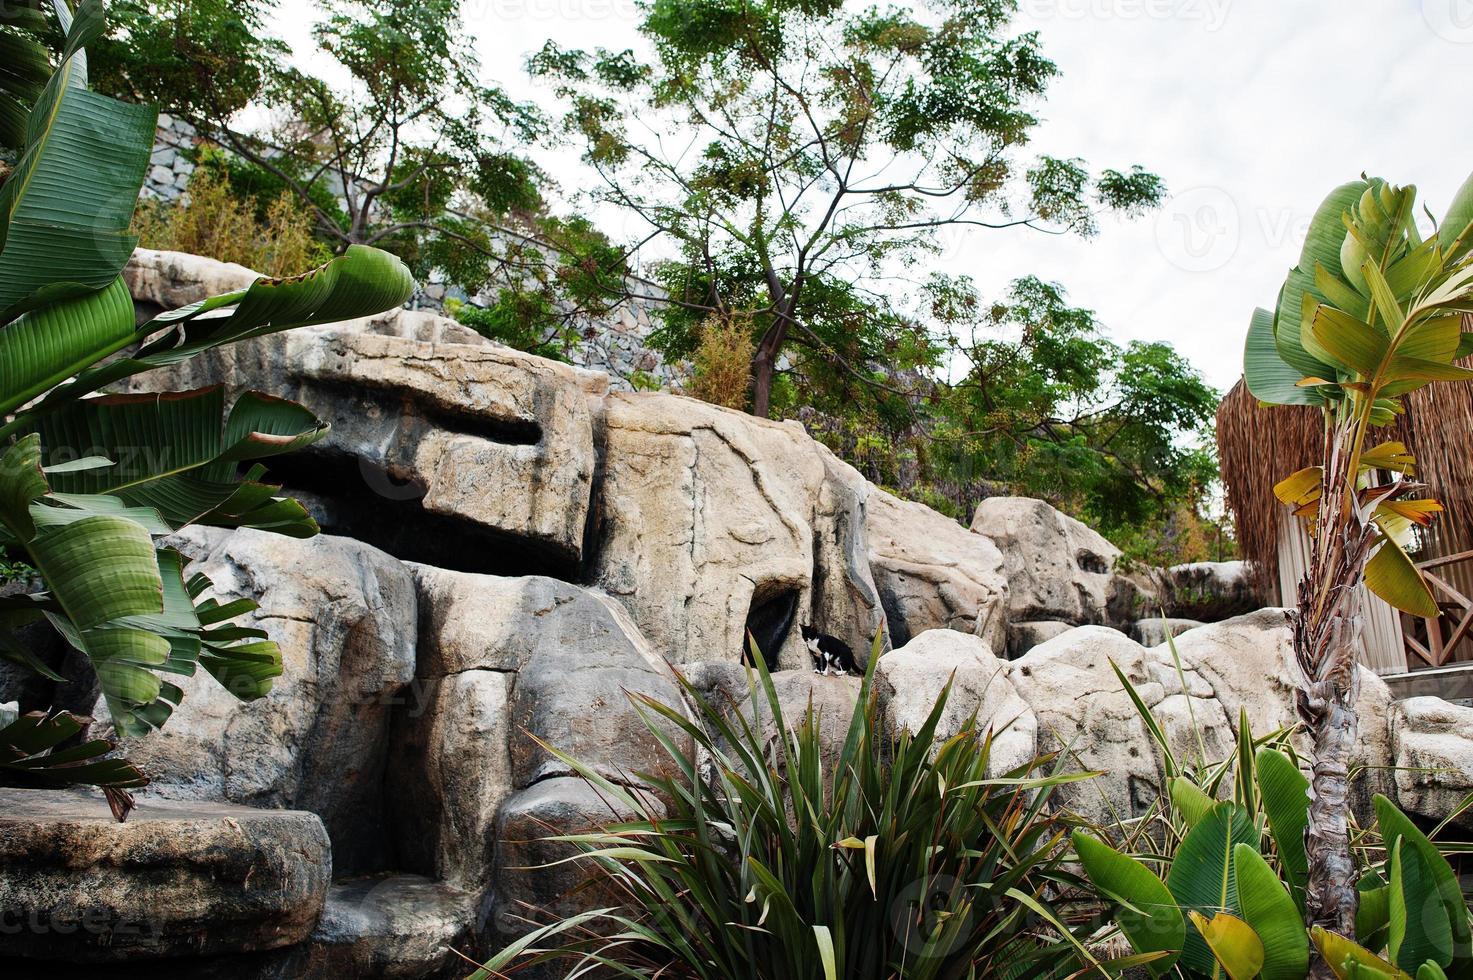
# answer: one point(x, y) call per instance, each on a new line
point(178, 879)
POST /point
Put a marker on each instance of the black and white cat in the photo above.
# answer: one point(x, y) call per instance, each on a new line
point(830, 654)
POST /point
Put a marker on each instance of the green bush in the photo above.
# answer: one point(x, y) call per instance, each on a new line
point(768, 858)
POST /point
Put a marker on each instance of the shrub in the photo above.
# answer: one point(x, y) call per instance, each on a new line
point(214, 221)
point(723, 363)
point(905, 858)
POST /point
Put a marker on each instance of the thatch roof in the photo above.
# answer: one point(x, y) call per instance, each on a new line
point(1258, 446)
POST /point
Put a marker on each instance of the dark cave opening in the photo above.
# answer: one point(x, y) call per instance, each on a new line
point(769, 619)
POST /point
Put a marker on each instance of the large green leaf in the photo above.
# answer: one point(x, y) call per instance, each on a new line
point(358, 283)
point(1321, 249)
point(1393, 576)
point(1351, 342)
point(173, 453)
point(1202, 875)
point(65, 210)
point(45, 347)
point(1396, 825)
point(1285, 793)
point(1148, 917)
point(1269, 377)
point(1268, 908)
point(1420, 930)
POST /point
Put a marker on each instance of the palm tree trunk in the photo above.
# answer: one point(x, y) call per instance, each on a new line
point(1327, 625)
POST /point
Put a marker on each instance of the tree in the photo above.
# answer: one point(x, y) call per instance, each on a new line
point(89, 482)
point(1049, 407)
point(414, 153)
point(1372, 312)
point(797, 154)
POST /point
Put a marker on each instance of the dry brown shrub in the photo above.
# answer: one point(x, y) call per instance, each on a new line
point(723, 363)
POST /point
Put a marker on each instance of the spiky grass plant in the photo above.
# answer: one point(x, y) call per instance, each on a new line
point(765, 857)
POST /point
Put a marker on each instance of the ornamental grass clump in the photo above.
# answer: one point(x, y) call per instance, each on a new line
point(896, 856)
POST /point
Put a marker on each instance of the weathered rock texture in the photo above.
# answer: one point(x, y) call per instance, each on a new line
point(934, 574)
point(343, 614)
point(1057, 568)
point(178, 879)
point(711, 523)
point(516, 552)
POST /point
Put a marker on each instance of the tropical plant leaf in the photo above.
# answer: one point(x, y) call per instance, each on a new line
point(1419, 928)
point(1276, 920)
point(1233, 943)
point(1148, 917)
point(358, 283)
point(1348, 959)
point(1393, 576)
point(176, 456)
point(1202, 875)
point(1269, 377)
point(1395, 825)
point(64, 215)
point(1285, 793)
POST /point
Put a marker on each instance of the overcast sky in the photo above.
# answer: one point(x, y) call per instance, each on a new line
point(1251, 110)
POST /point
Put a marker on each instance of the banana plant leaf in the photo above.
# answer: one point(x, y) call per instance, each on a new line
point(172, 454)
point(358, 283)
point(64, 215)
point(1203, 876)
point(31, 756)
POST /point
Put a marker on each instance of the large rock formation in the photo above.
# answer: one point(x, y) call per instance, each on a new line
point(343, 614)
point(711, 525)
point(1059, 569)
point(515, 554)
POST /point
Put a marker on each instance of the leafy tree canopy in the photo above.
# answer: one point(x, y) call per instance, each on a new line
point(413, 152)
point(799, 154)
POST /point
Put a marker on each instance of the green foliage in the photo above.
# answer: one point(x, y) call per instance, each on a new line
point(778, 109)
point(87, 484)
point(893, 857)
point(1371, 313)
point(518, 320)
point(1233, 901)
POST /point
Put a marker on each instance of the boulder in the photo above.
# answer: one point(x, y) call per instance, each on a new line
point(532, 889)
point(910, 680)
point(712, 523)
point(388, 927)
point(1153, 632)
point(1023, 637)
point(168, 280)
point(1433, 741)
point(178, 879)
point(1249, 663)
point(469, 455)
point(502, 660)
point(1058, 568)
point(1209, 591)
point(1084, 712)
point(344, 615)
point(935, 574)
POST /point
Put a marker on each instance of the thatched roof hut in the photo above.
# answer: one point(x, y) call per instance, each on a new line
point(1258, 446)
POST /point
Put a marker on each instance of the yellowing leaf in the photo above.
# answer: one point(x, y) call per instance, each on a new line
point(1351, 342)
point(1234, 943)
point(1340, 953)
point(1300, 487)
point(1391, 456)
point(1391, 575)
